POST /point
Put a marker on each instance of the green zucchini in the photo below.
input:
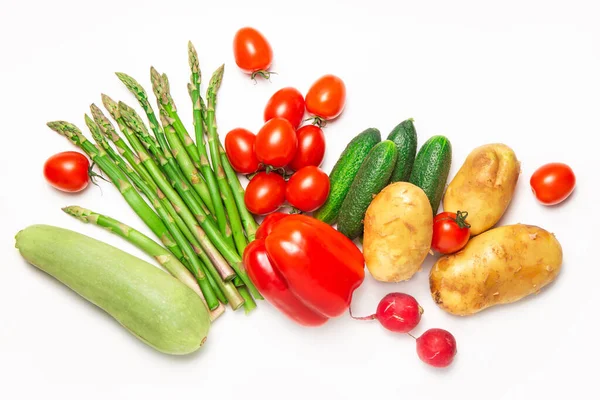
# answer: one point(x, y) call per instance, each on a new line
point(431, 168)
point(343, 173)
point(373, 175)
point(404, 137)
point(157, 308)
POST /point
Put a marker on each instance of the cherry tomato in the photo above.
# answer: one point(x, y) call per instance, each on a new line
point(326, 98)
point(276, 143)
point(286, 103)
point(552, 183)
point(311, 147)
point(239, 146)
point(67, 171)
point(252, 52)
point(307, 189)
point(265, 193)
point(450, 232)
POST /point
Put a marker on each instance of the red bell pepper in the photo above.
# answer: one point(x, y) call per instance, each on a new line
point(304, 267)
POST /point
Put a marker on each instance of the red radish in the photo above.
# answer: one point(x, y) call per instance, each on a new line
point(436, 347)
point(397, 312)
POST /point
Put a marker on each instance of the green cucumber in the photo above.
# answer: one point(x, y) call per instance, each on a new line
point(343, 173)
point(373, 175)
point(431, 168)
point(404, 137)
point(157, 308)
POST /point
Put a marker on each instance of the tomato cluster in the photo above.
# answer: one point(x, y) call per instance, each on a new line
point(284, 156)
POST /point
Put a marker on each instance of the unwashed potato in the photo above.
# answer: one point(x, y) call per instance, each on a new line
point(484, 186)
point(398, 230)
point(500, 266)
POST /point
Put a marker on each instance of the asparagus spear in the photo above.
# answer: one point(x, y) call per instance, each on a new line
point(132, 197)
point(144, 243)
point(199, 127)
point(140, 93)
point(190, 256)
point(249, 303)
point(213, 142)
point(250, 225)
point(162, 91)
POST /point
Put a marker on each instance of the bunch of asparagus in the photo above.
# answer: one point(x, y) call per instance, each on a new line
point(195, 202)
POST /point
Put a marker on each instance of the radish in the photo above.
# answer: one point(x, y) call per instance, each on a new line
point(397, 312)
point(436, 347)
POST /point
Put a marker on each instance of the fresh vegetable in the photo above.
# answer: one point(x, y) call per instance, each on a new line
point(286, 103)
point(67, 171)
point(157, 308)
point(372, 176)
point(404, 137)
point(450, 232)
point(552, 183)
point(250, 225)
point(239, 145)
point(265, 193)
point(311, 147)
point(307, 189)
point(484, 186)
point(304, 268)
point(252, 52)
point(436, 347)
point(215, 157)
point(276, 143)
point(199, 110)
point(326, 98)
point(431, 168)
point(398, 232)
point(500, 266)
point(396, 312)
point(343, 173)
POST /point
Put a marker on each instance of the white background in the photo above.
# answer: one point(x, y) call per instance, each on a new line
point(526, 73)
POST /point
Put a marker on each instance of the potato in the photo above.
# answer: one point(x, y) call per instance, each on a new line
point(398, 230)
point(500, 266)
point(484, 186)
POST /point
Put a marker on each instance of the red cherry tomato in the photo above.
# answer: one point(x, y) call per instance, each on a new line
point(307, 189)
point(67, 171)
point(276, 143)
point(252, 52)
point(311, 147)
point(239, 146)
point(552, 183)
point(265, 193)
point(326, 98)
point(286, 103)
point(450, 232)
